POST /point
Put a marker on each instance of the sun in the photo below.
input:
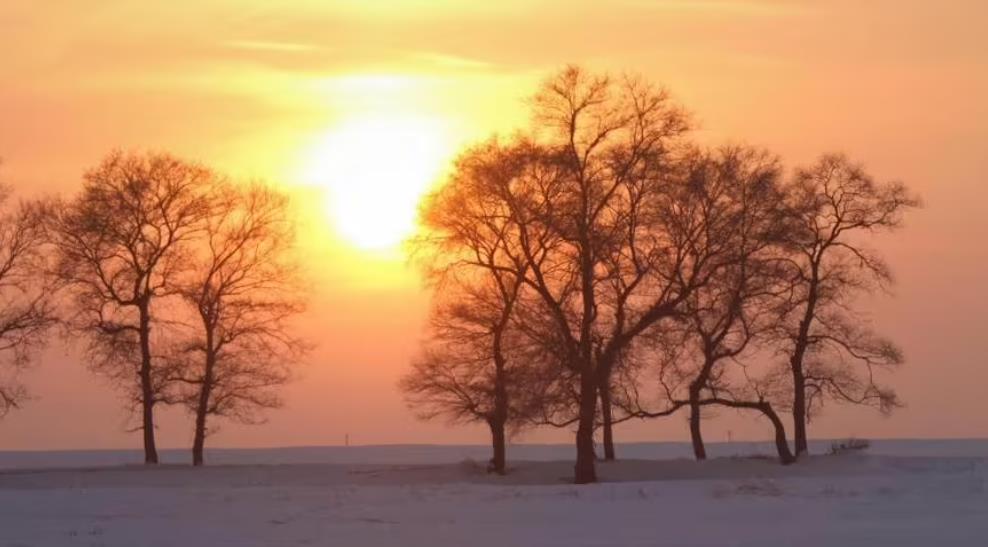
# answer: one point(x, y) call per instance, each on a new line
point(375, 170)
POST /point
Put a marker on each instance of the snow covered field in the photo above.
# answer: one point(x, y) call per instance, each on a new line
point(901, 493)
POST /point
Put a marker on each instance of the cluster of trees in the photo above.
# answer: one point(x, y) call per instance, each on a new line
point(180, 282)
point(603, 267)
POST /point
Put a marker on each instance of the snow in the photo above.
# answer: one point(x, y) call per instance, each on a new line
point(901, 493)
point(433, 454)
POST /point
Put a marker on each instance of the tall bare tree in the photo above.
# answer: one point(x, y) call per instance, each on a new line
point(831, 352)
point(121, 245)
point(27, 312)
point(609, 230)
point(244, 292)
point(602, 134)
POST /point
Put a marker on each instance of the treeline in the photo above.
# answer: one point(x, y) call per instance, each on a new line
point(179, 282)
point(602, 267)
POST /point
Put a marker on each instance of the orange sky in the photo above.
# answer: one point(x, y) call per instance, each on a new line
point(271, 90)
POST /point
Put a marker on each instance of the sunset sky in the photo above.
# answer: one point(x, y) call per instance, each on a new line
point(357, 106)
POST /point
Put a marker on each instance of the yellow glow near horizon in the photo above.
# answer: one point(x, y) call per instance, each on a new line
point(375, 170)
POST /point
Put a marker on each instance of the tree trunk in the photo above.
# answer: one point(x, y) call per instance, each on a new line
point(696, 387)
point(781, 444)
point(699, 451)
point(796, 364)
point(799, 411)
point(150, 450)
point(498, 461)
point(606, 415)
point(199, 440)
point(205, 391)
point(585, 469)
point(202, 411)
point(500, 418)
point(147, 389)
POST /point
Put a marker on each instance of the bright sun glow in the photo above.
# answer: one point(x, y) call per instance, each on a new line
point(375, 171)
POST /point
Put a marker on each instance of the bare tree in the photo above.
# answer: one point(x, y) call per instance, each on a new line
point(26, 295)
point(610, 229)
point(471, 368)
point(608, 139)
point(474, 369)
point(726, 316)
point(723, 318)
point(683, 356)
point(243, 290)
point(831, 352)
point(121, 245)
point(603, 232)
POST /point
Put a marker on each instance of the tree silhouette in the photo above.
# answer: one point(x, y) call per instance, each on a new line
point(725, 317)
point(604, 232)
point(474, 369)
point(243, 290)
point(831, 351)
point(27, 310)
point(611, 144)
point(121, 244)
point(473, 366)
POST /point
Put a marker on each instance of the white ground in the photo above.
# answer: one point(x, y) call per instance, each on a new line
point(901, 493)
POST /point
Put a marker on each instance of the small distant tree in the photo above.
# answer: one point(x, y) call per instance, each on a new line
point(121, 245)
point(243, 291)
point(26, 295)
point(831, 351)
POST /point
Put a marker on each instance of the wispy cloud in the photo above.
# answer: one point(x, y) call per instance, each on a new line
point(723, 7)
point(262, 45)
point(450, 61)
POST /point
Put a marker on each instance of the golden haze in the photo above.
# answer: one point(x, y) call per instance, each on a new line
point(357, 108)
